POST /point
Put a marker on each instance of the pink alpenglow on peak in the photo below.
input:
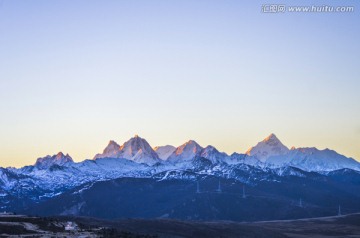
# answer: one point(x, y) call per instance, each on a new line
point(270, 146)
point(111, 148)
point(271, 139)
point(186, 152)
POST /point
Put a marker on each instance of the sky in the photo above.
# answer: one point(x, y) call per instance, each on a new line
point(76, 74)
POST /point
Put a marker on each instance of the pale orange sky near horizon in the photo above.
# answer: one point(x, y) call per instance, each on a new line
point(76, 74)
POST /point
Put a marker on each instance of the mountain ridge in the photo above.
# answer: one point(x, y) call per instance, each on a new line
point(311, 170)
point(270, 152)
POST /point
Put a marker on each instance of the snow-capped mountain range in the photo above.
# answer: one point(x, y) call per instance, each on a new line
point(52, 175)
point(270, 152)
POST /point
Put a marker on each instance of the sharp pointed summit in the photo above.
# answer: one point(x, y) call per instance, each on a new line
point(111, 148)
point(139, 147)
point(271, 138)
point(186, 152)
point(270, 146)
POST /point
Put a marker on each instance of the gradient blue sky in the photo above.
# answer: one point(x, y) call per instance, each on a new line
point(75, 74)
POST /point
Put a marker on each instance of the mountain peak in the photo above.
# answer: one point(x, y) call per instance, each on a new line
point(271, 137)
point(136, 137)
point(59, 155)
point(268, 147)
point(189, 145)
point(58, 159)
point(136, 149)
point(191, 142)
point(210, 148)
point(186, 151)
point(111, 148)
point(139, 150)
point(112, 142)
point(212, 154)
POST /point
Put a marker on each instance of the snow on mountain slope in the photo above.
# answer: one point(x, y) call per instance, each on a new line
point(48, 161)
point(236, 158)
point(312, 159)
point(270, 146)
point(135, 149)
point(164, 151)
point(185, 152)
point(191, 150)
point(107, 168)
point(55, 174)
point(212, 154)
point(8, 179)
point(37, 183)
point(112, 149)
point(139, 150)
